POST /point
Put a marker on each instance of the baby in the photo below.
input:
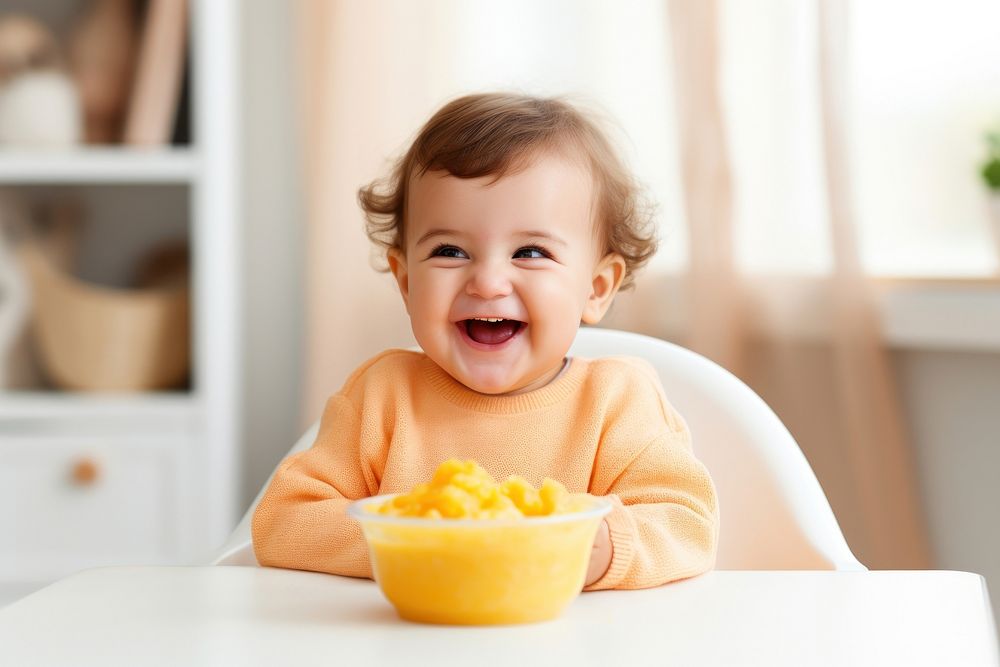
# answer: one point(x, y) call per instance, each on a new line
point(508, 222)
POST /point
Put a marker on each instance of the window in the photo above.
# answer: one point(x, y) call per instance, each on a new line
point(925, 86)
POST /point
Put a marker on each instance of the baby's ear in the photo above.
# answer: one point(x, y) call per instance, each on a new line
point(397, 264)
point(608, 276)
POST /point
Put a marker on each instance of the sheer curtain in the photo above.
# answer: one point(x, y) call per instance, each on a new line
point(876, 442)
point(732, 129)
point(836, 391)
point(370, 74)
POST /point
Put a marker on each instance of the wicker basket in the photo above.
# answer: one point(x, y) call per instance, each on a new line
point(105, 339)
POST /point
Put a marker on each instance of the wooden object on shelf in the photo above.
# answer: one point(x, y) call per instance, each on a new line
point(98, 338)
point(102, 60)
point(160, 69)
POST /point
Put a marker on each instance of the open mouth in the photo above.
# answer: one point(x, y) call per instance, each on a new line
point(491, 330)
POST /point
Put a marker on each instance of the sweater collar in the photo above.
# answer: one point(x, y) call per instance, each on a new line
point(568, 380)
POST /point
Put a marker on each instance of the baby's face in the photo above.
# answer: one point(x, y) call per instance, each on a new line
point(497, 277)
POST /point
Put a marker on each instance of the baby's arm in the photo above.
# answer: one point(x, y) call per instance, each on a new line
point(300, 522)
point(664, 524)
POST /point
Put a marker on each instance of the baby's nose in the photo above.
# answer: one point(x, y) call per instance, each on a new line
point(488, 282)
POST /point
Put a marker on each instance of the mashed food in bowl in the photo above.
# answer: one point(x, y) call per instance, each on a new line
point(464, 490)
point(464, 549)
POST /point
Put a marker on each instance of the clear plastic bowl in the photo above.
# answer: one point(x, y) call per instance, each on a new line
point(479, 571)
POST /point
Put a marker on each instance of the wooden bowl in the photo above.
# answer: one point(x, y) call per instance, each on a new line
point(98, 338)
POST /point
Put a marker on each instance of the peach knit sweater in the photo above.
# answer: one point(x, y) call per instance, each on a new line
point(603, 427)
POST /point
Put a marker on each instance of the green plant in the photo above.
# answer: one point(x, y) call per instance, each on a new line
point(991, 168)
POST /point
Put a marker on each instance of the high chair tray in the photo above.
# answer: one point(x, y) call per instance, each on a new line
point(250, 615)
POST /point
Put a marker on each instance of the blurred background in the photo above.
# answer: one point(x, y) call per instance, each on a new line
point(184, 276)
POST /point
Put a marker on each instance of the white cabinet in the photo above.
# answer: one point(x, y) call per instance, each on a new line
point(99, 479)
point(89, 500)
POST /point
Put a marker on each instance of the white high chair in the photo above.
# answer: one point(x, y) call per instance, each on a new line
point(774, 515)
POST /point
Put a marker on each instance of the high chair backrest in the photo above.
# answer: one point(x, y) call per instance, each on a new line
point(774, 515)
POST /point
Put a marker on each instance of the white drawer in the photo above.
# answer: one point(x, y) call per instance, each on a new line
point(54, 520)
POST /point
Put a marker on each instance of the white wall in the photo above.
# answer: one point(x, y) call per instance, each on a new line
point(952, 399)
point(273, 243)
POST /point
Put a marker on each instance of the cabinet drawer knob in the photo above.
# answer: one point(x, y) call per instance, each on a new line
point(85, 472)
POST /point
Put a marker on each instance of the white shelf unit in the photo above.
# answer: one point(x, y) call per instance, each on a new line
point(165, 488)
point(52, 408)
point(99, 165)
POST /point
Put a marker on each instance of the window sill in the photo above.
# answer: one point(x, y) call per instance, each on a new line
point(916, 313)
point(941, 313)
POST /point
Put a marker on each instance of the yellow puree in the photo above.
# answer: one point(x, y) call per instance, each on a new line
point(463, 490)
point(481, 573)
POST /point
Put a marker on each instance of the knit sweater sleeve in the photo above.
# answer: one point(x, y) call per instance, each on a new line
point(301, 522)
point(664, 524)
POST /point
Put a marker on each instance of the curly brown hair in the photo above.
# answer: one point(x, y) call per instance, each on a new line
point(495, 134)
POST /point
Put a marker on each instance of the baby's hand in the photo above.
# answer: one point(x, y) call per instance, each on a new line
point(600, 555)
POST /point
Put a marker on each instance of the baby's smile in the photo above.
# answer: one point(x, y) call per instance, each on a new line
point(490, 332)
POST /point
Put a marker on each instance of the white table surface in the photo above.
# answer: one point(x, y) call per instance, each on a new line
point(247, 616)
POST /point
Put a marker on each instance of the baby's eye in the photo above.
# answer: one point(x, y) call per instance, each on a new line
point(531, 252)
point(448, 251)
